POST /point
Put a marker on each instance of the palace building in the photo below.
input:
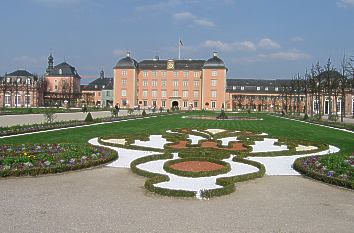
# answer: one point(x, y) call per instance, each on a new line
point(186, 84)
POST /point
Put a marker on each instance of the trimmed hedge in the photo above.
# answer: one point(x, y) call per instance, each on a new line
point(298, 166)
point(226, 167)
point(155, 178)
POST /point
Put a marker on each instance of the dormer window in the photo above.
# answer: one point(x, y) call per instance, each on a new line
point(28, 81)
point(242, 88)
point(60, 71)
point(103, 86)
point(233, 87)
point(96, 86)
point(266, 88)
point(258, 88)
point(276, 88)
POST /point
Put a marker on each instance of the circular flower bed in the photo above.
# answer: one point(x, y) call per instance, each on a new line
point(17, 160)
point(240, 118)
point(196, 167)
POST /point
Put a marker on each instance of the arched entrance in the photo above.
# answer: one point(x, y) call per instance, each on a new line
point(175, 104)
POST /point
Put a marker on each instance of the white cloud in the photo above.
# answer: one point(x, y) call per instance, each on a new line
point(297, 39)
point(187, 16)
point(345, 3)
point(267, 43)
point(292, 55)
point(245, 45)
point(119, 52)
point(217, 44)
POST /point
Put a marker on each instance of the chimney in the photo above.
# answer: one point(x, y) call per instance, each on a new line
point(215, 54)
point(128, 54)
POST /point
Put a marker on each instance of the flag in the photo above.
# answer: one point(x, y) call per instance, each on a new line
point(180, 42)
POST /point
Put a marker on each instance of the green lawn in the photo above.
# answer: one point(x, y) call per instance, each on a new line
point(275, 127)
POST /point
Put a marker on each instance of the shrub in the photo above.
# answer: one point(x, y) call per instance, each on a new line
point(29, 110)
point(89, 117)
point(143, 113)
point(306, 117)
point(130, 111)
point(49, 115)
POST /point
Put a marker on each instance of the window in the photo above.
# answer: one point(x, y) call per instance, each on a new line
point(28, 81)
point(145, 73)
point(163, 83)
point(186, 74)
point(164, 74)
point(175, 74)
point(99, 93)
point(213, 104)
point(175, 93)
point(175, 83)
point(18, 100)
point(185, 94)
point(195, 104)
point(154, 93)
point(258, 88)
point(154, 83)
point(196, 83)
point(276, 88)
point(124, 73)
point(124, 93)
point(163, 103)
point(8, 80)
point(214, 73)
point(27, 100)
point(242, 88)
point(145, 83)
point(124, 82)
point(185, 83)
point(163, 93)
point(196, 74)
point(233, 87)
point(196, 94)
point(185, 104)
point(145, 93)
point(213, 82)
point(266, 88)
point(213, 94)
point(154, 73)
point(145, 103)
point(7, 99)
point(60, 71)
point(56, 87)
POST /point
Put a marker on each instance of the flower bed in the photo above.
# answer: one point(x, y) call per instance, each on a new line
point(18, 160)
point(239, 118)
point(197, 167)
point(335, 169)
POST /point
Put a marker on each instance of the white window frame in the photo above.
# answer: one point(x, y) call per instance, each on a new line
point(196, 74)
point(196, 94)
point(196, 83)
point(214, 73)
point(185, 94)
point(175, 83)
point(145, 74)
point(163, 83)
point(213, 82)
point(154, 83)
point(242, 88)
point(163, 93)
point(145, 93)
point(124, 73)
point(186, 74)
point(213, 94)
point(145, 83)
point(213, 104)
point(124, 93)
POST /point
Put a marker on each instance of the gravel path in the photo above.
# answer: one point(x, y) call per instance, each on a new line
point(114, 200)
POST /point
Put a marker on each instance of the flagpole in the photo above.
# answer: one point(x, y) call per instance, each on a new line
point(179, 48)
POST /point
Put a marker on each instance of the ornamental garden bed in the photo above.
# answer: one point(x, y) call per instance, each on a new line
point(37, 159)
point(238, 118)
point(336, 169)
point(207, 162)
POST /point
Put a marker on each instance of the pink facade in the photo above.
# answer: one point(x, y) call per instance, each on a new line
point(186, 84)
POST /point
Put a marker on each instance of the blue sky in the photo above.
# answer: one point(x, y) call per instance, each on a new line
point(255, 38)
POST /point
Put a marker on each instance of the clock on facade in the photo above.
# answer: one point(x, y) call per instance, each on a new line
point(170, 65)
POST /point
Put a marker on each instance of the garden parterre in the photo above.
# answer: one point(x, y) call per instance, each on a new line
point(274, 127)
